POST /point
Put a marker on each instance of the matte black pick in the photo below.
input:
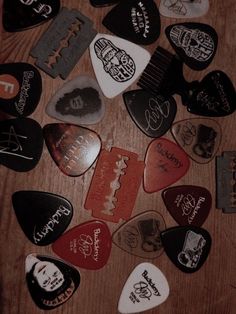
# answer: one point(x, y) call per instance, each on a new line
point(187, 247)
point(135, 20)
point(19, 15)
point(152, 114)
point(194, 43)
point(20, 88)
point(102, 3)
point(42, 216)
point(21, 143)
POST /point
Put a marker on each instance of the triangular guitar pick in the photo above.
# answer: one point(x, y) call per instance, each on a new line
point(140, 236)
point(21, 143)
point(42, 216)
point(19, 15)
point(145, 288)
point(200, 138)
point(165, 163)
point(140, 21)
point(187, 247)
point(117, 63)
point(194, 43)
point(153, 115)
point(87, 245)
point(79, 101)
point(74, 149)
point(20, 88)
point(188, 204)
point(51, 282)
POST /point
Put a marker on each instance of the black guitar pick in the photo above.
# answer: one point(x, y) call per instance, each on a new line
point(19, 15)
point(135, 20)
point(20, 88)
point(21, 143)
point(42, 216)
point(152, 114)
point(194, 43)
point(187, 247)
point(102, 3)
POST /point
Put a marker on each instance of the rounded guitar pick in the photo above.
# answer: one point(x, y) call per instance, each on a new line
point(200, 138)
point(20, 88)
point(187, 247)
point(215, 96)
point(140, 235)
point(140, 21)
point(194, 43)
point(42, 216)
point(188, 204)
point(153, 115)
point(165, 164)
point(19, 15)
point(87, 245)
point(117, 63)
point(51, 282)
point(145, 288)
point(79, 101)
point(21, 143)
point(74, 149)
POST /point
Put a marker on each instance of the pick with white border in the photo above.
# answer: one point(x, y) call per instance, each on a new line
point(145, 288)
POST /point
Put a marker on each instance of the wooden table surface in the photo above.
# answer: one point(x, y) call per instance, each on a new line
point(212, 289)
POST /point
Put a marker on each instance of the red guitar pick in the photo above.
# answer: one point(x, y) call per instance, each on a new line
point(87, 245)
point(165, 164)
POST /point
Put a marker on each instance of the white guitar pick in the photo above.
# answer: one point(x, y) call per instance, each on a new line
point(117, 63)
point(183, 8)
point(145, 288)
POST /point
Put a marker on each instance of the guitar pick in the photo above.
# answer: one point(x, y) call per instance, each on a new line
point(102, 3)
point(188, 204)
point(183, 8)
point(21, 143)
point(20, 88)
point(194, 43)
point(152, 115)
point(187, 247)
point(19, 15)
point(145, 288)
point(87, 245)
point(117, 63)
point(42, 216)
point(74, 149)
point(140, 21)
point(51, 282)
point(140, 235)
point(165, 163)
point(200, 138)
point(79, 101)
point(214, 97)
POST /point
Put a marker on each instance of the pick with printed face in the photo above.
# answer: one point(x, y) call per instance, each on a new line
point(79, 101)
point(140, 21)
point(187, 247)
point(140, 236)
point(188, 204)
point(20, 88)
point(42, 216)
point(74, 149)
point(194, 43)
point(153, 115)
point(145, 288)
point(183, 8)
point(87, 245)
point(19, 15)
point(215, 96)
point(21, 141)
point(165, 163)
point(51, 282)
point(117, 63)
point(200, 138)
